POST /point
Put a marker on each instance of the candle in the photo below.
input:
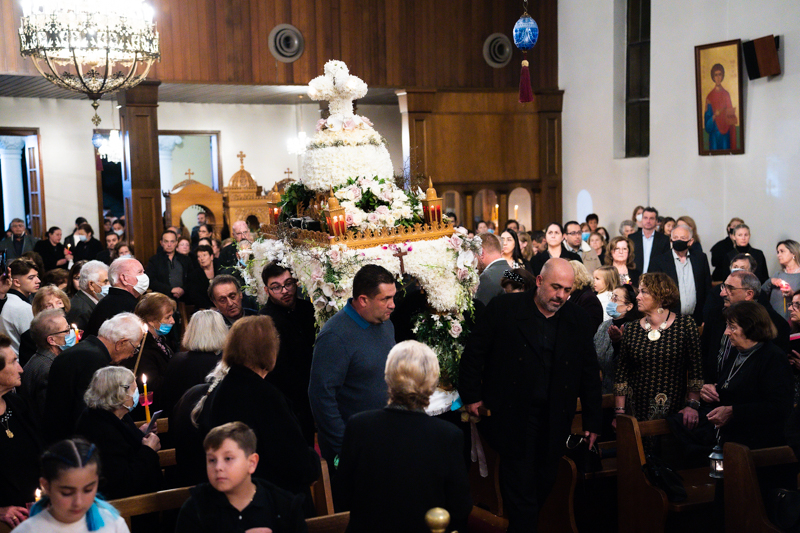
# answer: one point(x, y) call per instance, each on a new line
point(37, 495)
point(145, 402)
point(77, 332)
point(516, 210)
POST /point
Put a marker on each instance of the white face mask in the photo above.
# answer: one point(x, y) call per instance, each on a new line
point(639, 217)
point(119, 232)
point(81, 238)
point(142, 283)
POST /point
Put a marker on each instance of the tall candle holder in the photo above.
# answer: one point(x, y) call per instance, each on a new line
point(432, 205)
point(335, 217)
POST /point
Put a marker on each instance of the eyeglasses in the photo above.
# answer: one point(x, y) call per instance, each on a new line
point(731, 288)
point(795, 306)
point(289, 285)
point(573, 233)
point(617, 299)
point(135, 348)
point(62, 332)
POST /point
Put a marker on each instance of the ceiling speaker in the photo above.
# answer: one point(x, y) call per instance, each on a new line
point(497, 50)
point(286, 43)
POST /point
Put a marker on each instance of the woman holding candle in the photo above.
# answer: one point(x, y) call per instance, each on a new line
point(156, 311)
point(129, 456)
point(20, 441)
point(783, 284)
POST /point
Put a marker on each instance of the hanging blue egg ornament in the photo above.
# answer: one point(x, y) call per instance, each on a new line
point(526, 33)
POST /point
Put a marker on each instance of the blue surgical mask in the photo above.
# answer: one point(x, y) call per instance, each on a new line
point(611, 310)
point(135, 399)
point(104, 289)
point(585, 236)
point(163, 329)
point(81, 238)
point(69, 340)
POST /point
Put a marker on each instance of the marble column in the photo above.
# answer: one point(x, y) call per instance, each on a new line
point(166, 145)
point(11, 149)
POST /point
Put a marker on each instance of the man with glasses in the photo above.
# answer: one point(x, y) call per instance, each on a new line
point(119, 339)
point(52, 334)
point(739, 286)
point(294, 320)
point(575, 244)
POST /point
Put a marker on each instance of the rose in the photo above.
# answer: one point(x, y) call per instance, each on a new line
point(382, 210)
point(372, 218)
point(335, 256)
point(349, 124)
point(350, 219)
point(455, 329)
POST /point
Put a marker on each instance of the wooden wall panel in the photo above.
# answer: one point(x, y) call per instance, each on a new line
point(388, 43)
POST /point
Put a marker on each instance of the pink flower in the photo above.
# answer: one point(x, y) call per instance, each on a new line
point(349, 123)
point(372, 218)
point(382, 210)
point(455, 329)
point(463, 274)
point(349, 219)
point(320, 124)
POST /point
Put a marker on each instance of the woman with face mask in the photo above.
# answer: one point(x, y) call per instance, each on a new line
point(622, 309)
point(129, 457)
point(156, 311)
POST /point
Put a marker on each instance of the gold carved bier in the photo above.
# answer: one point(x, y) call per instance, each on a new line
point(243, 197)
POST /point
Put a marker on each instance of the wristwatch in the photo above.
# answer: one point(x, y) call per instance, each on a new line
point(694, 404)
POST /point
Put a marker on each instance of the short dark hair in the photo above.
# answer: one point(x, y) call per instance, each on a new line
point(52, 230)
point(238, 432)
point(5, 342)
point(207, 226)
point(592, 216)
point(119, 221)
point(750, 259)
point(70, 453)
point(717, 67)
point(511, 221)
point(569, 224)
point(222, 279)
point(170, 232)
point(368, 280)
point(517, 279)
point(79, 221)
point(21, 266)
point(650, 209)
point(204, 248)
point(56, 277)
point(537, 236)
point(85, 226)
point(753, 319)
point(272, 270)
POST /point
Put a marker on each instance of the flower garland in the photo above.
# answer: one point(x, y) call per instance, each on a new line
point(374, 203)
point(445, 335)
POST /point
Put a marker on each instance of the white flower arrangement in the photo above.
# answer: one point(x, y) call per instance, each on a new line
point(400, 209)
point(262, 252)
point(332, 166)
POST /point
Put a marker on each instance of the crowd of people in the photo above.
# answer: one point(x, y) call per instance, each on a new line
point(256, 396)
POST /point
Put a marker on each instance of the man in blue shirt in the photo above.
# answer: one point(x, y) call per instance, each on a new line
point(647, 242)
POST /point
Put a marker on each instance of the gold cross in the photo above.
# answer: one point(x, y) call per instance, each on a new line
point(190, 173)
point(241, 155)
point(288, 173)
point(398, 254)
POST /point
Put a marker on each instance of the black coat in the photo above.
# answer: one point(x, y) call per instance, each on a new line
point(660, 246)
point(395, 465)
point(184, 371)
point(129, 467)
point(197, 287)
point(586, 299)
point(244, 396)
point(81, 308)
point(158, 268)
point(188, 439)
point(761, 262)
point(87, 250)
point(499, 364)
point(19, 457)
point(69, 378)
point(702, 278)
point(538, 260)
point(105, 257)
point(153, 363)
point(50, 255)
point(719, 259)
point(118, 301)
point(292, 370)
point(761, 396)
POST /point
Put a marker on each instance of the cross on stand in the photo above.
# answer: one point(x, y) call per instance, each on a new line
point(189, 173)
point(241, 155)
point(288, 173)
point(399, 254)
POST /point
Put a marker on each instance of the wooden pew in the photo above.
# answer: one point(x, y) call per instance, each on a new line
point(153, 502)
point(609, 465)
point(162, 424)
point(333, 523)
point(643, 507)
point(167, 458)
point(744, 507)
point(321, 492)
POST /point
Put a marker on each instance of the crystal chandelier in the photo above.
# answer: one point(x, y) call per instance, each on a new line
point(93, 47)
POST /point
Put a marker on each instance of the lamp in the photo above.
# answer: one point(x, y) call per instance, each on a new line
point(432, 205)
point(716, 462)
point(101, 46)
point(273, 205)
point(335, 217)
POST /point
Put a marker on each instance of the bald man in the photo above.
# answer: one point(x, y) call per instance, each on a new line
point(531, 356)
point(229, 257)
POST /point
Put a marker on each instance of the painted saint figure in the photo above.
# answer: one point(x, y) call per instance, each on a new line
point(720, 116)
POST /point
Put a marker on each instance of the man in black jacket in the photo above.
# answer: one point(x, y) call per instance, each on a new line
point(128, 283)
point(531, 356)
point(689, 270)
point(167, 269)
point(647, 242)
point(719, 252)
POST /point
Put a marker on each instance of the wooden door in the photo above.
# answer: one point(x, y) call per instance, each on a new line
point(35, 186)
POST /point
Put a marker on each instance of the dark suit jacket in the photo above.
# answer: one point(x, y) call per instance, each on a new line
point(86, 250)
point(397, 464)
point(719, 258)
point(660, 246)
point(538, 260)
point(197, 287)
point(702, 278)
point(118, 301)
point(489, 282)
point(81, 307)
point(153, 363)
point(7, 244)
point(158, 269)
point(499, 364)
point(105, 257)
point(70, 376)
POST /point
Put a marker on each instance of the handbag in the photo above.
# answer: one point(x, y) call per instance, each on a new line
point(586, 459)
point(661, 475)
point(783, 509)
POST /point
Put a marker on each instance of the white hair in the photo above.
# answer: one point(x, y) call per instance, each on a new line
point(687, 227)
point(122, 326)
point(109, 388)
point(117, 267)
point(90, 272)
point(206, 332)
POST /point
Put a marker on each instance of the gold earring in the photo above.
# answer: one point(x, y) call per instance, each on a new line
point(660, 310)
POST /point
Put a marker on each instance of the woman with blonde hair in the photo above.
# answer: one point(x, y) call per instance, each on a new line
point(398, 462)
point(583, 294)
point(606, 279)
point(689, 221)
point(782, 285)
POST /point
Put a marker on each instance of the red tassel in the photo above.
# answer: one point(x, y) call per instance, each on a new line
point(525, 91)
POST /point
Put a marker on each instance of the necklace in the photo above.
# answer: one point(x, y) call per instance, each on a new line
point(4, 420)
point(737, 365)
point(655, 334)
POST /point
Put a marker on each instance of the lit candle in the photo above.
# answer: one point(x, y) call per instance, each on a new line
point(37, 495)
point(77, 332)
point(145, 402)
point(516, 210)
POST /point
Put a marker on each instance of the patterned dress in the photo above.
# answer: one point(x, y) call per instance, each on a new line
point(652, 375)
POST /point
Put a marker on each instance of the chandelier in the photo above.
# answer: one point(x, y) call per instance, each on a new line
point(94, 47)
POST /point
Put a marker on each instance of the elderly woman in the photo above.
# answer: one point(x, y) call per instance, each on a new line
point(622, 310)
point(583, 294)
point(397, 463)
point(122, 249)
point(626, 227)
point(243, 394)
point(203, 340)
point(517, 280)
point(156, 311)
point(753, 396)
point(783, 284)
point(554, 237)
point(619, 254)
point(20, 442)
point(130, 458)
point(659, 370)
